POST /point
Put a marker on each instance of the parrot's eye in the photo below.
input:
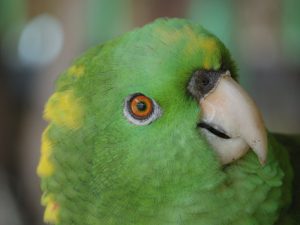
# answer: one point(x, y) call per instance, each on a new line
point(140, 109)
point(141, 106)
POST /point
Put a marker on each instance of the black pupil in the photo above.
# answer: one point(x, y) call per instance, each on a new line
point(141, 106)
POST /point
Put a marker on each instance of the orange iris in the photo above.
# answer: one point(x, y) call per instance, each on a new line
point(141, 106)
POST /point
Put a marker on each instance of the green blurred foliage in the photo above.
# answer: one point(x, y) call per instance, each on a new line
point(107, 19)
point(291, 29)
point(12, 13)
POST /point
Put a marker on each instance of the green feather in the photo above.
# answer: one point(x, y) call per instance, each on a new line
point(109, 171)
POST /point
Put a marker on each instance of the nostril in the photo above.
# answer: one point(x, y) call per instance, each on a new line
point(205, 81)
point(202, 82)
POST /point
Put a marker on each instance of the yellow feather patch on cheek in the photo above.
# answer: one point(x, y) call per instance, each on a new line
point(51, 211)
point(64, 109)
point(45, 167)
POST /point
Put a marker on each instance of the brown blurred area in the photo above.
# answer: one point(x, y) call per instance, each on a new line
point(39, 40)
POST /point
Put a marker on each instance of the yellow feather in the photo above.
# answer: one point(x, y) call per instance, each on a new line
point(45, 167)
point(51, 211)
point(64, 109)
point(76, 71)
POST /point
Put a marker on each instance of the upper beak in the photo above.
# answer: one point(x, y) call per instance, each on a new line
point(229, 110)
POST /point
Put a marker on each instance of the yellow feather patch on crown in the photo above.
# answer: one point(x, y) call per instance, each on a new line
point(45, 167)
point(64, 109)
point(51, 211)
point(210, 47)
point(167, 36)
point(209, 44)
point(193, 40)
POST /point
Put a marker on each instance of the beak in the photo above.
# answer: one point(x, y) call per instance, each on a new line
point(232, 122)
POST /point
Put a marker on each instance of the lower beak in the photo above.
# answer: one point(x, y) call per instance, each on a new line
point(232, 122)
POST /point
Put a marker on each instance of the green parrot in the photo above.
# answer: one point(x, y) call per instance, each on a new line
point(152, 128)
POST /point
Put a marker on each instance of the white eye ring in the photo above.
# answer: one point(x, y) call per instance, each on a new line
point(143, 120)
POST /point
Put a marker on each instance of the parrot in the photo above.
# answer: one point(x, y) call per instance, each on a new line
point(153, 128)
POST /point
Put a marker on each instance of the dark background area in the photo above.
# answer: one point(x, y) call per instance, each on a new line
point(39, 39)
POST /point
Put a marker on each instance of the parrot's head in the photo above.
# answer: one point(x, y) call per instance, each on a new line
point(141, 129)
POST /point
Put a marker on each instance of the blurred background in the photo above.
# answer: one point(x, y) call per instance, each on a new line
point(39, 39)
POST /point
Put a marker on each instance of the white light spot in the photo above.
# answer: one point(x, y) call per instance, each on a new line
point(41, 41)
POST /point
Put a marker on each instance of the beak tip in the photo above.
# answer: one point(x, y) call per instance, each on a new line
point(262, 162)
point(263, 157)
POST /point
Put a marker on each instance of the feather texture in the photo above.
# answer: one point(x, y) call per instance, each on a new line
point(109, 171)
